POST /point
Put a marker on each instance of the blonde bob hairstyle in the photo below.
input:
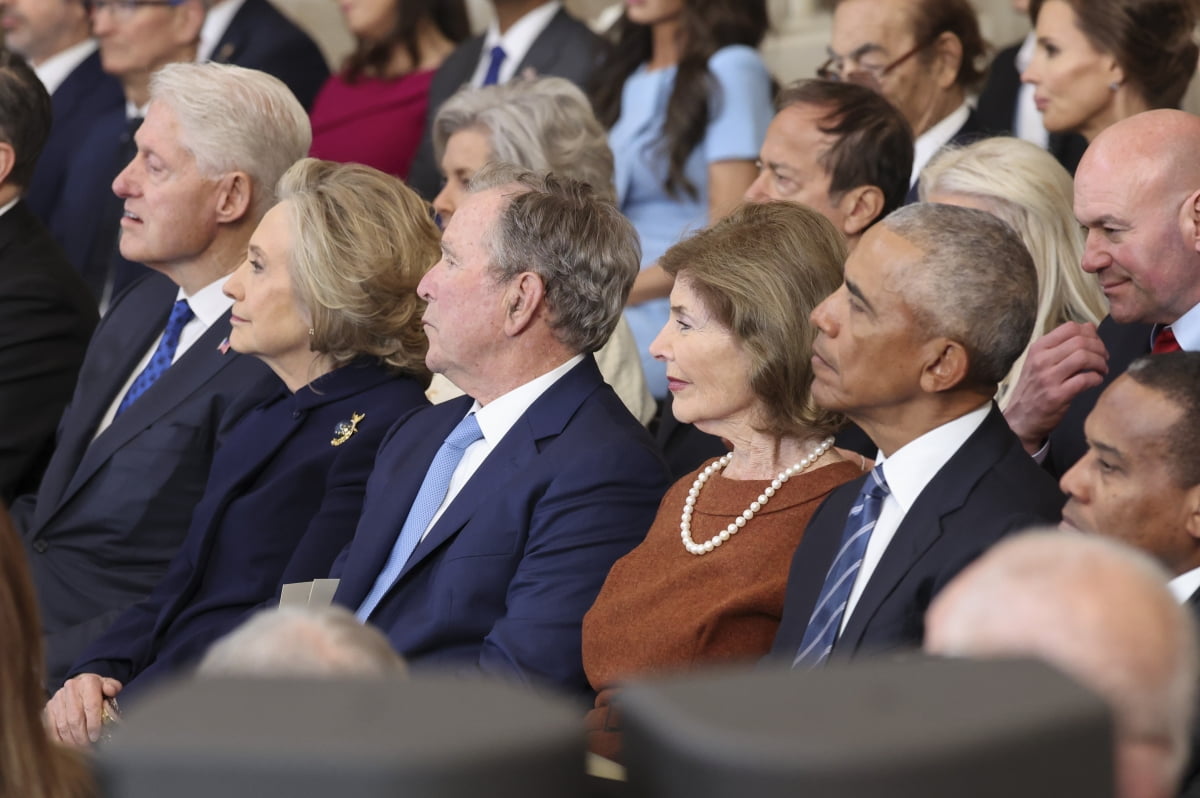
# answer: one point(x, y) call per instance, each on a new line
point(1024, 186)
point(361, 241)
point(760, 272)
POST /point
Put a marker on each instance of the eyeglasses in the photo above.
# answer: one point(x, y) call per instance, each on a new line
point(872, 75)
point(124, 9)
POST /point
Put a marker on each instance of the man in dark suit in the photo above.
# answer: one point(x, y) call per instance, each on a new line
point(937, 303)
point(1101, 613)
point(491, 521)
point(55, 37)
point(1136, 195)
point(526, 37)
point(135, 40)
point(922, 56)
point(1139, 481)
point(46, 313)
point(255, 35)
point(157, 388)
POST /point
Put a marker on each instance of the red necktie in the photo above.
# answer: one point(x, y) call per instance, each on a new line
point(1164, 341)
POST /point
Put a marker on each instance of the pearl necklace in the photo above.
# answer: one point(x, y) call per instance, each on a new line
point(685, 521)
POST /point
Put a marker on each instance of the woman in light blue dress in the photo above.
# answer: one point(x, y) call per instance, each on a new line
point(688, 100)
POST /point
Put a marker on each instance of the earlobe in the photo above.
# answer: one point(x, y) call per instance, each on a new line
point(947, 366)
point(8, 157)
point(236, 193)
point(860, 206)
point(1191, 504)
point(523, 301)
point(950, 54)
point(1189, 220)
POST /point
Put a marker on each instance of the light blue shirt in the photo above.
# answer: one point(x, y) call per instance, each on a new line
point(739, 112)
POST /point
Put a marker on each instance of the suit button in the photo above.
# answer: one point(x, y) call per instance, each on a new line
point(40, 546)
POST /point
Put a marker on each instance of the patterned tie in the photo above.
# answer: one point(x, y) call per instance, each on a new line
point(826, 621)
point(493, 71)
point(429, 499)
point(164, 353)
point(1164, 341)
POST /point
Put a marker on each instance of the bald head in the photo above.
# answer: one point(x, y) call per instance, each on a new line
point(1137, 193)
point(1099, 611)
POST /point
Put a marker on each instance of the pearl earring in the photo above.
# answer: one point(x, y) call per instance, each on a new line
point(1114, 86)
point(311, 332)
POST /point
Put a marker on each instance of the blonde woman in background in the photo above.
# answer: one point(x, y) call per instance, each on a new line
point(1029, 189)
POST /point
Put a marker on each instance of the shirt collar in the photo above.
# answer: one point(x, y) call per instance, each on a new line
point(913, 465)
point(1025, 54)
point(1185, 585)
point(8, 206)
point(58, 67)
point(1187, 330)
point(518, 39)
point(500, 414)
point(932, 140)
point(216, 22)
point(209, 303)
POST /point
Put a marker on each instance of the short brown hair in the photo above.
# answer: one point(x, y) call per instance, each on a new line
point(1153, 41)
point(363, 240)
point(760, 272)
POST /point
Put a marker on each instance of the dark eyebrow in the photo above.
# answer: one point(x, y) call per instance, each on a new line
point(1109, 451)
point(856, 292)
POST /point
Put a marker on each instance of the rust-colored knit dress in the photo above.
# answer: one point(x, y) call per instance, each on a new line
point(663, 609)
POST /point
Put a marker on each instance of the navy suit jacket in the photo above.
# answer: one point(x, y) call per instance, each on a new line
point(87, 94)
point(989, 488)
point(281, 504)
point(997, 108)
point(86, 220)
point(111, 512)
point(1125, 343)
point(501, 582)
point(971, 130)
point(46, 320)
point(261, 37)
point(567, 48)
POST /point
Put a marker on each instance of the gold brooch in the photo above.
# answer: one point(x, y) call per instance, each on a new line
point(346, 429)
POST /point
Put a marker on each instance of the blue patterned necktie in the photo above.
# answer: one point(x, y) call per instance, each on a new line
point(163, 355)
point(493, 71)
point(424, 507)
point(826, 622)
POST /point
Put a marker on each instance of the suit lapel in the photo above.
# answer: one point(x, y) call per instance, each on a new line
point(921, 527)
point(545, 418)
point(197, 366)
point(543, 55)
point(231, 42)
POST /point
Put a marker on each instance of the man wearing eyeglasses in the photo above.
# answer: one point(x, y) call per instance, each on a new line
point(922, 55)
point(55, 37)
point(136, 38)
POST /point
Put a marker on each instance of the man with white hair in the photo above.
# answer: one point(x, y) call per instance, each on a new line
point(1099, 611)
point(157, 388)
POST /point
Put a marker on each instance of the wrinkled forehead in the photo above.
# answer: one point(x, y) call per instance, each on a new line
point(883, 27)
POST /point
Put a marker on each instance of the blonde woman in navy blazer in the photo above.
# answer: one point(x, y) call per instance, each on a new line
point(326, 297)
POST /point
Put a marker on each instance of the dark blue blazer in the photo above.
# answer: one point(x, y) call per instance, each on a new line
point(567, 48)
point(46, 320)
point(989, 488)
point(502, 581)
point(86, 220)
point(281, 504)
point(111, 512)
point(1125, 343)
point(261, 37)
point(971, 130)
point(87, 94)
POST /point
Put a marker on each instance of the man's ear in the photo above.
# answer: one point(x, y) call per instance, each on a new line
point(8, 159)
point(948, 55)
point(235, 197)
point(860, 206)
point(946, 365)
point(1189, 220)
point(1191, 505)
point(524, 299)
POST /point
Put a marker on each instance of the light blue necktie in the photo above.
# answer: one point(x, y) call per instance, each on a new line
point(164, 353)
point(826, 621)
point(424, 507)
point(493, 71)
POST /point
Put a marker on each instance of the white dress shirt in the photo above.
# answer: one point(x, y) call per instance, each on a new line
point(932, 140)
point(216, 22)
point(516, 41)
point(495, 420)
point(1027, 121)
point(208, 306)
point(1183, 586)
point(58, 67)
point(907, 472)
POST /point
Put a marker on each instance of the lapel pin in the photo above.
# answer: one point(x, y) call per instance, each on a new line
point(346, 429)
point(223, 347)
